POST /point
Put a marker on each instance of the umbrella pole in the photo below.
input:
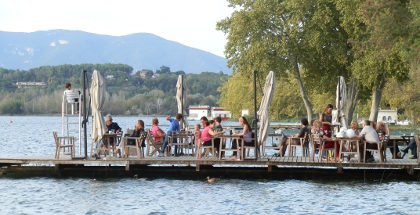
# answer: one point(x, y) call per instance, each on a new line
point(84, 113)
point(255, 122)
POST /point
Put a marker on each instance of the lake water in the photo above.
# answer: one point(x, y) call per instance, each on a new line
point(32, 136)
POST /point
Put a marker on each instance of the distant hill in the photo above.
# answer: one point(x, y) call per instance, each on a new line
point(141, 51)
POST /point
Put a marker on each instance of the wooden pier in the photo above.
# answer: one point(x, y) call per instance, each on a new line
point(268, 167)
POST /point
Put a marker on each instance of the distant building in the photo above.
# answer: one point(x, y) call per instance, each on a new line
point(109, 77)
point(196, 112)
point(30, 84)
point(388, 116)
point(218, 111)
point(146, 73)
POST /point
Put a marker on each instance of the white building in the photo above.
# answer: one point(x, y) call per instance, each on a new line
point(196, 112)
point(388, 116)
point(218, 111)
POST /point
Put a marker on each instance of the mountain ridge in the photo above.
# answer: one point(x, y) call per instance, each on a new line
point(22, 50)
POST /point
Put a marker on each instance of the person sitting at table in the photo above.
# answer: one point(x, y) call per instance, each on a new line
point(156, 132)
point(246, 134)
point(111, 127)
point(203, 121)
point(317, 132)
point(383, 131)
point(371, 137)
point(413, 147)
point(301, 134)
point(138, 132)
point(173, 128)
point(207, 134)
point(355, 128)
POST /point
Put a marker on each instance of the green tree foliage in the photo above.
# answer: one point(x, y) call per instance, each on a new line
point(285, 36)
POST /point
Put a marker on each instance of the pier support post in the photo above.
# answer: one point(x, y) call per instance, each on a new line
point(197, 167)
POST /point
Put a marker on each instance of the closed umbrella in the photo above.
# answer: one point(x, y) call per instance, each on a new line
point(181, 97)
point(263, 114)
point(340, 101)
point(97, 99)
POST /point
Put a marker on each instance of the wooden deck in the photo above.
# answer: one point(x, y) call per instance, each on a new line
point(267, 167)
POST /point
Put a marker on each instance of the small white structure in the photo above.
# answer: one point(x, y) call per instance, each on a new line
point(196, 112)
point(388, 116)
point(30, 84)
point(218, 111)
point(245, 112)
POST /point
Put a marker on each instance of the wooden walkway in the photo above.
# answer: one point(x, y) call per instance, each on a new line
point(268, 167)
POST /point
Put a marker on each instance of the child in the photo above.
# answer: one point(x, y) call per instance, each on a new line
point(197, 141)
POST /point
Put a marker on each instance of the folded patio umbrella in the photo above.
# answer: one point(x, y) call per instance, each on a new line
point(97, 95)
point(181, 97)
point(263, 114)
point(340, 101)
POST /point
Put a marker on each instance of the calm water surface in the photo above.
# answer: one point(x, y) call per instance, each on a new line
point(31, 136)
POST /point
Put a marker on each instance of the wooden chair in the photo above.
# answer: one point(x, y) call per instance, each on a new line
point(294, 142)
point(223, 145)
point(315, 140)
point(248, 148)
point(379, 150)
point(152, 145)
point(208, 149)
point(137, 146)
point(276, 143)
point(63, 143)
point(181, 142)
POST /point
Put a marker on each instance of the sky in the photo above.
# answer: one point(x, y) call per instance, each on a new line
point(190, 22)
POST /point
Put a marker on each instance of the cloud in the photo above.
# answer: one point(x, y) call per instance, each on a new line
point(52, 44)
point(63, 42)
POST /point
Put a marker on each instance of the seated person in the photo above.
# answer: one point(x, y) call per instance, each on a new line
point(218, 129)
point(157, 133)
point(371, 137)
point(413, 147)
point(111, 127)
point(138, 132)
point(383, 131)
point(302, 131)
point(207, 133)
point(355, 128)
point(196, 140)
point(246, 134)
point(317, 132)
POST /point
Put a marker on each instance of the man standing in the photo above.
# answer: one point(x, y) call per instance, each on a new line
point(173, 128)
point(371, 137)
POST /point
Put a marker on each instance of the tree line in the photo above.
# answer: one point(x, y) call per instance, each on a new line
point(127, 92)
point(308, 44)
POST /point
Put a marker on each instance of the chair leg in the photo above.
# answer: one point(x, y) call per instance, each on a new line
point(364, 152)
point(380, 152)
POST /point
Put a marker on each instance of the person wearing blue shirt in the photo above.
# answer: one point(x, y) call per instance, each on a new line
point(173, 128)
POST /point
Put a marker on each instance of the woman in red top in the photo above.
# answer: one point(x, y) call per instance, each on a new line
point(207, 133)
point(326, 120)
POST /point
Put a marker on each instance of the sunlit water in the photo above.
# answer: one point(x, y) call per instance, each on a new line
point(32, 136)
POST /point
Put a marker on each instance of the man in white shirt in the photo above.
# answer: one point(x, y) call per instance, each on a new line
point(371, 137)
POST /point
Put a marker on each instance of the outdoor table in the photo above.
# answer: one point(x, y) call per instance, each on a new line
point(223, 143)
point(399, 139)
point(107, 137)
point(349, 142)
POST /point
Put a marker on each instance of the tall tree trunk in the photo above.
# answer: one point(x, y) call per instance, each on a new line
point(303, 94)
point(376, 98)
point(351, 102)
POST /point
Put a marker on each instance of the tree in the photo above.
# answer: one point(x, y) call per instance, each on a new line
point(285, 36)
point(379, 32)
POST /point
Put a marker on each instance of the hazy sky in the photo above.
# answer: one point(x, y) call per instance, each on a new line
point(190, 22)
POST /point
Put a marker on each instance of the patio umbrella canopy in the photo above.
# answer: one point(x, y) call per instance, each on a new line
point(181, 97)
point(340, 101)
point(263, 114)
point(97, 96)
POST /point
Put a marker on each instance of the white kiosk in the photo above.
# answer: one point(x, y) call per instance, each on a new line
point(71, 123)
